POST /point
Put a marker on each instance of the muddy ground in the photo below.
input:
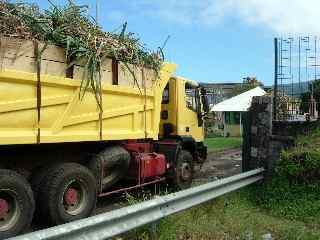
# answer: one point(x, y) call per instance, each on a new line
point(219, 165)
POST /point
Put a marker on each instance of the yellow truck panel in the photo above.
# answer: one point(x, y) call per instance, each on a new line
point(127, 112)
point(187, 120)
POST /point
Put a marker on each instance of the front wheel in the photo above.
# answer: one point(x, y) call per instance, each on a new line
point(68, 193)
point(16, 204)
point(183, 171)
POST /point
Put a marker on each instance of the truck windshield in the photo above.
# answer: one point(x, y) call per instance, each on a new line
point(191, 97)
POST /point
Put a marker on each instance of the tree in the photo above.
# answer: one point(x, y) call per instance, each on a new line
point(247, 84)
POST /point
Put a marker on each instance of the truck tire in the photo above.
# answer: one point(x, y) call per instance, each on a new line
point(183, 171)
point(37, 177)
point(16, 204)
point(66, 194)
point(36, 181)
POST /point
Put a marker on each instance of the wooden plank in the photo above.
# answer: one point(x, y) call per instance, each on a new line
point(16, 48)
point(53, 68)
point(106, 76)
point(27, 64)
point(126, 78)
point(106, 71)
point(18, 54)
point(150, 77)
point(106, 65)
point(23, 64)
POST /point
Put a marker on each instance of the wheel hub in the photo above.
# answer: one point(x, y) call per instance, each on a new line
point(185, 171)
point(4, 208)
point(71, 197)
point(75, 198)
point(10, 210)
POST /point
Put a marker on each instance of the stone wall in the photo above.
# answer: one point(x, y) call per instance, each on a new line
point(284, 128)
point(260, 131)
point(262, 143)
point(264, 139)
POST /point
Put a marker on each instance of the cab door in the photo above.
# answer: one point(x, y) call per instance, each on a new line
point(168, 122)
point(189, 121)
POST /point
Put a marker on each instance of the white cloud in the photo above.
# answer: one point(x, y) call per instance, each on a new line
point(280, 16)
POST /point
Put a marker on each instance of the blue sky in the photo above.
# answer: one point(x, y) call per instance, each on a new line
point(212, 40)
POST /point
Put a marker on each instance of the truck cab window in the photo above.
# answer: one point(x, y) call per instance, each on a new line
point(191, 97)
point(165, 95)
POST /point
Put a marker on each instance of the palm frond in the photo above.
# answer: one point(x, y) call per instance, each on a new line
point(69, 27)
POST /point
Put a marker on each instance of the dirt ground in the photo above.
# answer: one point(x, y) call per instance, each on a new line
point(220, 165)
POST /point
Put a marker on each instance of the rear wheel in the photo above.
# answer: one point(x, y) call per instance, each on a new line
point(37, 178)
point(68, 193)
point(183, 171)
point(16, 204)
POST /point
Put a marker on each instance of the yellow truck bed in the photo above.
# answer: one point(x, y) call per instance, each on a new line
point(127, 113)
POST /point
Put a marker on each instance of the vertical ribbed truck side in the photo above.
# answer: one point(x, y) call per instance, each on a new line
point(131, 110)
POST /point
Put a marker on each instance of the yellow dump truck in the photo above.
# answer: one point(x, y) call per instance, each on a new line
point(59, 151)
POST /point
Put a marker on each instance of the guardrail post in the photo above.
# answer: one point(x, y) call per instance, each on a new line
point(246, 141)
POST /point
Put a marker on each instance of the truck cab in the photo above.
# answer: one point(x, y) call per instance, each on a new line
point(184, 106)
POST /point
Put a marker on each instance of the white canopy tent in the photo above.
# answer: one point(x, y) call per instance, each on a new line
point(239, 103)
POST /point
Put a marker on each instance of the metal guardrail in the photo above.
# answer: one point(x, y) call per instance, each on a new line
point(119, 221)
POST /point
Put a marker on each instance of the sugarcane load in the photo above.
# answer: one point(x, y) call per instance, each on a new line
point(83, 110)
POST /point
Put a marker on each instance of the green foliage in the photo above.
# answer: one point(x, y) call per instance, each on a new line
point(84, 41)
point(309, 141)
point(248, 84)
point(283, 198)
point(300, 166)
point(139, 196)
point(294, 189)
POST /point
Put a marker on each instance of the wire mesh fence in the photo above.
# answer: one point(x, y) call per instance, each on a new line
point(296, 75)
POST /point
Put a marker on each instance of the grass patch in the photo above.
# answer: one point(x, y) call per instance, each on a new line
point(232, 216)
point(221, 143)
